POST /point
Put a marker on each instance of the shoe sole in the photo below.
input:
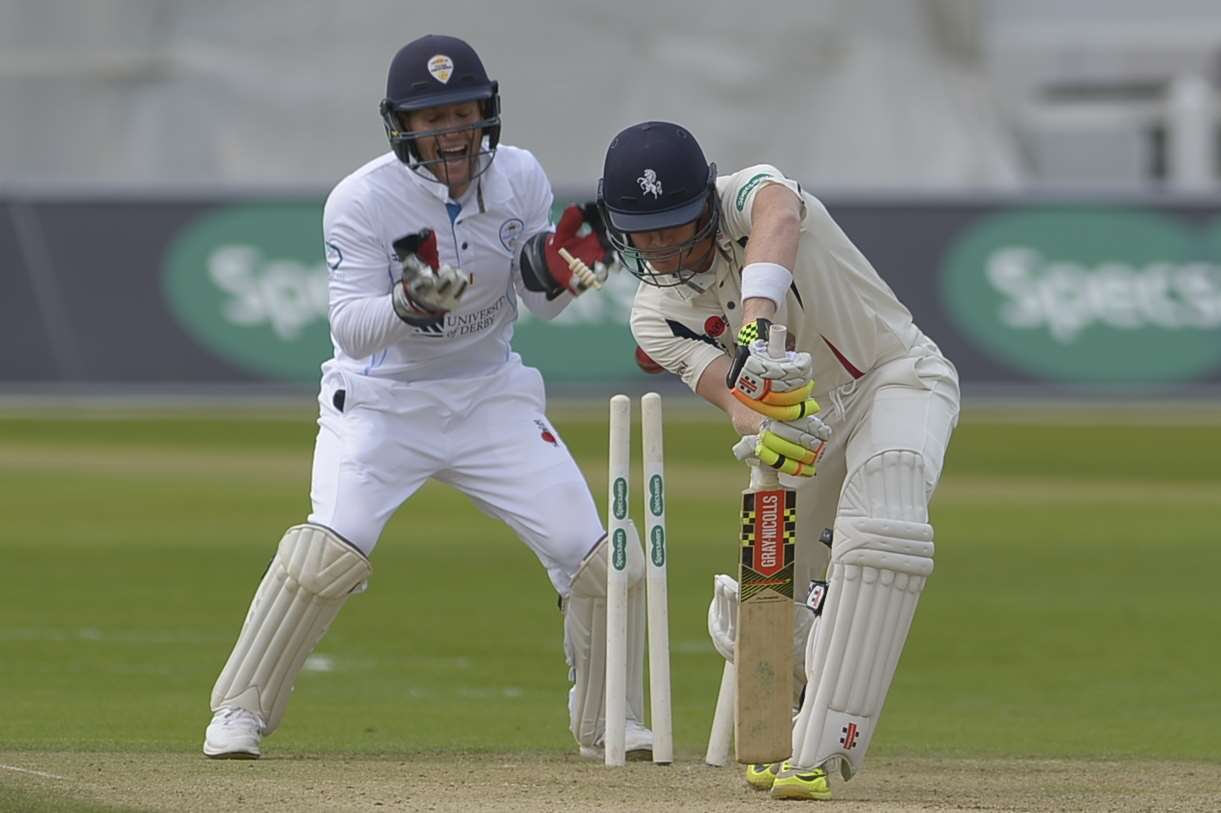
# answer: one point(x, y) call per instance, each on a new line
point(639, 755)
point(798, 793)
point(231, 754)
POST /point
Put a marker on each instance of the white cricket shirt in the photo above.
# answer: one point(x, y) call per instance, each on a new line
point(385, 200)
point(838, 309)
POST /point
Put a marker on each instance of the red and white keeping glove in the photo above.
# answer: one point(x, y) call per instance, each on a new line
point(428, 289)
point(578, 235)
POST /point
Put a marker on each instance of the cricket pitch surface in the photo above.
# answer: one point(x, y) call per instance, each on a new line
point(128, 781)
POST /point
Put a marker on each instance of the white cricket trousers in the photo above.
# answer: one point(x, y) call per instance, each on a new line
point(909, 403)
point(488, 436)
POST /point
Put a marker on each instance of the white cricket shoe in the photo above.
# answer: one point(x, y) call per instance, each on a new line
point(637, 743)
point(234, 733)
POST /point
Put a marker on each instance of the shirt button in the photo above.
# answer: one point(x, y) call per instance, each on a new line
point(464, 246)
point(729, 305)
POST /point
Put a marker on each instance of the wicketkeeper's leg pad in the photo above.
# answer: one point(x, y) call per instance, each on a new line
point(878, 570)
point(309, 579)
point(723, 622)
point(585, 641)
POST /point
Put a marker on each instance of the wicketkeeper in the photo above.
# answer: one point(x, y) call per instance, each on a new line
point(864, 397)
point(430, 248)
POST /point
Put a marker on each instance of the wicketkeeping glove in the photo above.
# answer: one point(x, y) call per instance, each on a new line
point(579, 235)
point(778, 388)
point(723, 615)
point(428, 289)
point(791, 447)
point(723, 624)
point(581, 243)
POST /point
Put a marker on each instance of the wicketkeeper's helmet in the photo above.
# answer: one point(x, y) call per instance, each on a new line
point(433, 71)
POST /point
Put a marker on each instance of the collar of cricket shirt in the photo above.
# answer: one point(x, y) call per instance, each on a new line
point(490, 187)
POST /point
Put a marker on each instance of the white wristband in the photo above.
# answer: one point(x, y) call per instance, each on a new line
point(766, 281)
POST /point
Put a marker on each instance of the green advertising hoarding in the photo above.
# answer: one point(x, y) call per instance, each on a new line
point(249, 283)
point(1089, 296)
point(1049, 297)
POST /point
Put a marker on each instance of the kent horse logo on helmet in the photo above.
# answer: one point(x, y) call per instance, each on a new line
point(649, 184)
point(632, 200)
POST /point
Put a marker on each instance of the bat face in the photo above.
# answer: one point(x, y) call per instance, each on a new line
point(763, 652)
point(769, 525)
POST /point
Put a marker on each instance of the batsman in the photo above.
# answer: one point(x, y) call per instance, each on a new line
point(861, 396)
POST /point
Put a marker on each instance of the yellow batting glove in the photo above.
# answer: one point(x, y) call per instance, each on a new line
point(782, 464)
point(786, 448)
point(791, 447)
point(778, 412)
point(774, 398)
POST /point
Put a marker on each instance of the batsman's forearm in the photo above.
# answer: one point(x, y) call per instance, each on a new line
point(711, 387)
point(745, 420)
point(757, 308)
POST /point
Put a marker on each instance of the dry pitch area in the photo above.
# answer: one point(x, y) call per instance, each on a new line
point(516, 782)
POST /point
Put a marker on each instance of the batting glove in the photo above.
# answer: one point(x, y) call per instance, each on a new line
point(776, 387)
point(790, 447)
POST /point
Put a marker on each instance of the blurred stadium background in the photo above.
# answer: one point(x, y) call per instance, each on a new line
point(1039, 181)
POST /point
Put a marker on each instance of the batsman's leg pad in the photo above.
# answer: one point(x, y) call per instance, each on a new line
point(585, 641)
point(307, 582)
point(878, 570)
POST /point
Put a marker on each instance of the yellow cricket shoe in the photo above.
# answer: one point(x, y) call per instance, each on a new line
point(800, 783)
point(761, 775)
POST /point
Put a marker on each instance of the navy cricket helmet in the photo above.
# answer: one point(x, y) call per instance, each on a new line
point(655, 177)
point(434, 71)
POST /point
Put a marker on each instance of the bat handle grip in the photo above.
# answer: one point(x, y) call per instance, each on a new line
point(776, 338)
point(765, 476)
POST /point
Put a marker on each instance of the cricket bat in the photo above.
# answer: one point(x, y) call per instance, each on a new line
point(763, 651)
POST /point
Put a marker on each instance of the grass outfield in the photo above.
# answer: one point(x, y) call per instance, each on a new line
point(1072, 615)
